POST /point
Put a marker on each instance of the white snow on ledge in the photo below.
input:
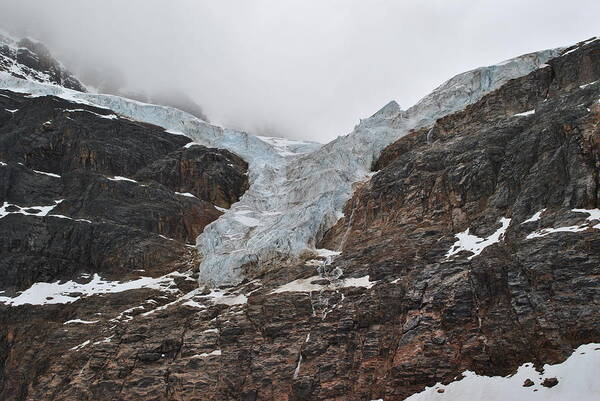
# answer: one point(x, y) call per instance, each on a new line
point(216, 352)
point(577, 381)
point(79, 321)
point(187, 194)
point(48, 174)
point(536, 216)
point(526, 113)
point(306, 285)
point(39, 211)
point(593, 215)
point(71, 291)
point(475, 244)
point(106, 116)
point(119, 178)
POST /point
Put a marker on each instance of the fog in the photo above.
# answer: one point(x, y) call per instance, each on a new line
point(298, 69)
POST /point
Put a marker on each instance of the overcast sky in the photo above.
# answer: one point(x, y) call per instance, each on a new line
point(300, 69)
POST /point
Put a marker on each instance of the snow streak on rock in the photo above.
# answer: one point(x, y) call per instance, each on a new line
point(71, 291)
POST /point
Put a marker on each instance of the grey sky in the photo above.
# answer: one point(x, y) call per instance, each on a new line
point(301, 69)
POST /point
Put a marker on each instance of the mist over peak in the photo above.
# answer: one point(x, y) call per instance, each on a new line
point(301, 70)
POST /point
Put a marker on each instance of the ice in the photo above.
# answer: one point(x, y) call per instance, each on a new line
point(288, 147)
point(247, 221)
point(474, 244)
point(297, 189)
point(577, 381)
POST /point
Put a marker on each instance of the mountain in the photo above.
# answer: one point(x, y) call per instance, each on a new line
point(30, 59)
point(414, 258)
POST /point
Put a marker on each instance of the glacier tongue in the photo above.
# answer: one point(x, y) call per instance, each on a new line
point(297, 188)
point(298, 201)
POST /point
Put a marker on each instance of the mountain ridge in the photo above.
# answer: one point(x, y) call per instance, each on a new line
point(472, 246)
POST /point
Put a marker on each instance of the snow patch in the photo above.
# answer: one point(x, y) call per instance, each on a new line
point(189, 195)
point(526, 113)
point(107, 116)
point(219, 298)
point(78, 347)
point(593, 215)
point(535, 217)
point(39, 211)
point(71, 291)
point(307, 285)
point(60, 216)
point(577, 381)
point(119, 178)
point(80, 321)
point(216, 352)
point(586, 85)
point(190, 144)
point(48, 174)
point(475, 244)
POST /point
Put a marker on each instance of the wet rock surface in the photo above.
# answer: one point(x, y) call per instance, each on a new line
point(406, 304)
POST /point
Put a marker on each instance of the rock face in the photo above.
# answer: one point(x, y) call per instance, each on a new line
point(475, 246)
point(117, 190)
point(29, 59)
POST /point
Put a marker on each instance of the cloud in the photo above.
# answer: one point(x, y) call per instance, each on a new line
point(300, 69)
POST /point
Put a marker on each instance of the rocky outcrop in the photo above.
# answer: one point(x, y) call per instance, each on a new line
point(475, 246)
point(28, 59)
point(118, 192)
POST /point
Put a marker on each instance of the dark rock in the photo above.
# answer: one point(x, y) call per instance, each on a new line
point(35, 63)
point(550, 382)
point(528, 383)
point(149, 356)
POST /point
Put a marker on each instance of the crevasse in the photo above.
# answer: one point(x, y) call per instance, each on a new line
point(297, 188)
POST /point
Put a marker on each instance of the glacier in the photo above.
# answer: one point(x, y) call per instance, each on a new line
point(297, 188)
